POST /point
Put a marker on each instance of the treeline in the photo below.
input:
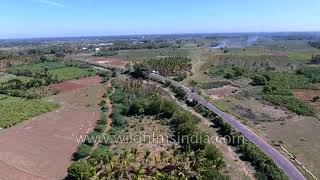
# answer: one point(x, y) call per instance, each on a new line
point(123, 45)
point(315, 59)
point(315, 44)
point(264, 166)
point(171, 66)
point(19, 88)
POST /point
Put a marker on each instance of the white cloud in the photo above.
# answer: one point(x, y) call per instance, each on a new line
point(50, 3)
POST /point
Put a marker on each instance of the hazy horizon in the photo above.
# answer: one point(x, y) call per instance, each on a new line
point(77, 18)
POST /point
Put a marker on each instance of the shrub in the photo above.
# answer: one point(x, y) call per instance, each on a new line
point(228, 75)
point(291, 103)
point(118, 119)
point(83, 150)
point(80, 170)
point(259, 80)
point(92, 137)
point(100, 128)
point(102, 153)
point(180, 93)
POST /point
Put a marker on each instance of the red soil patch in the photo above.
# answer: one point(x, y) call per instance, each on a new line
point(76, 84)
point(279, 53)
point(111, 61)
point(42, 147)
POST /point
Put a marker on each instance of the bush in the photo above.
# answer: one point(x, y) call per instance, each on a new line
point(228, 75)
point(100, 128)
point(259, 80)
point(91, 138)
point(168, 109)
point(80, 170)
point(83, 150)
point(118, 119)
point(102, 153)
point(180, 93)
point(291, 103)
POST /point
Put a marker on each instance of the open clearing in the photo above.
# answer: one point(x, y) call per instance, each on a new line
point(300, 136)
point(307, 95)
point(76, 84)
point(42, 147)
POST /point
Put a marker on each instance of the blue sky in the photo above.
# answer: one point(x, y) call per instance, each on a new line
point(47, 18)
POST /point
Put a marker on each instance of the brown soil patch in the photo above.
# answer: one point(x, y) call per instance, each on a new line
point(42, 147)
point(279, 53)
point(218, 93)
point(308, 95)
point(111, 61)
point(76, 84)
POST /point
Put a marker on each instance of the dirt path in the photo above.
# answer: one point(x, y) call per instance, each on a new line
point(42, 147)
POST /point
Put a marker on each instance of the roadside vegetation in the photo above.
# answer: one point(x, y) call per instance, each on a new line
point(264, 166)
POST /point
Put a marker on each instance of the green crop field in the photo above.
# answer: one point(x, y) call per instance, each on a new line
point(14, 110)
point(6, 77)
point(69, 73)
point(37, 67)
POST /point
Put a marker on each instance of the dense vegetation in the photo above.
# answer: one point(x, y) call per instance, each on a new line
point(193, 160)
point(315, 59)
point(278, 86)
point(227, 72)
point(171, 66)
point(265, 167)
point(279, 91)
point(14, 110)
point(311, 72)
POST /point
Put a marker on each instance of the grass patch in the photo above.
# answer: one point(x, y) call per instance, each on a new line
point(69, 73)
point(14, 110)
point(214, 84)
point(291, 103)
point(36, 67)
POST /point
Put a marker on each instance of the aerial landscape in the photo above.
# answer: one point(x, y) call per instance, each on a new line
point(175, 89)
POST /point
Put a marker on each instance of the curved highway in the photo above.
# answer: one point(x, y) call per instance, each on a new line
point(291, 171)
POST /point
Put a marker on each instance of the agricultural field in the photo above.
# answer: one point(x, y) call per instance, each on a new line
point(270, 83)
point(69, 73)
point(4, 77)
point(14, 110)
point(271, 86)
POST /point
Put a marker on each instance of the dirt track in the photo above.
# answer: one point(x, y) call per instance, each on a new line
point(42, 147)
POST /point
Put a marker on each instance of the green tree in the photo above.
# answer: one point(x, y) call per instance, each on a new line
point(141, 71)
point(259, 80)
point(80, 170)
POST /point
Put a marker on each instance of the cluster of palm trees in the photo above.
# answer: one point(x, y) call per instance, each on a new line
point(171, 66)
point(135, 164)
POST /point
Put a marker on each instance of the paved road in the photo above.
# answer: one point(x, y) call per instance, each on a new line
point(292, 172)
